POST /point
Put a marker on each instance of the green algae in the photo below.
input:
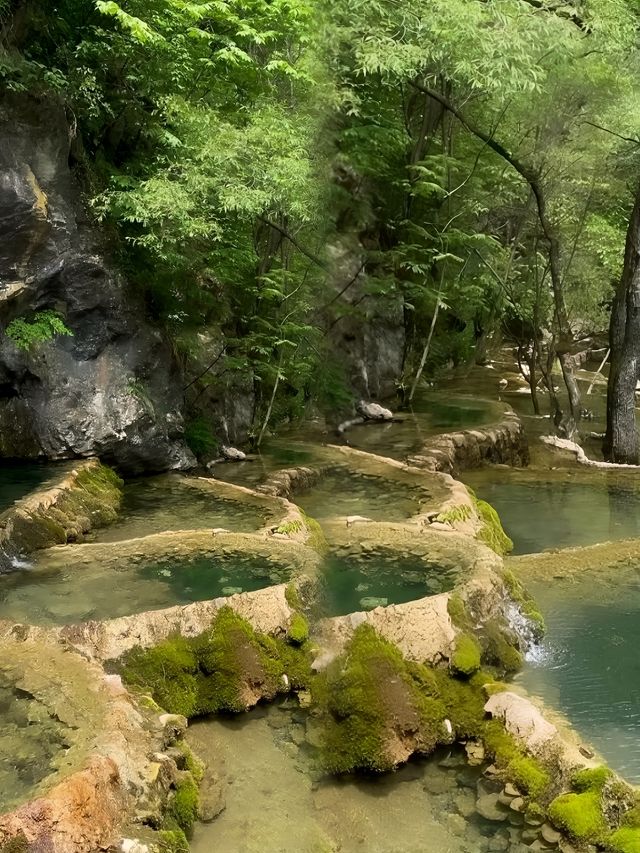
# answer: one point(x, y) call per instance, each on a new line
point(455, 514)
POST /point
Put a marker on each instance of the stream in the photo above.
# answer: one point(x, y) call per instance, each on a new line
point(587, 667)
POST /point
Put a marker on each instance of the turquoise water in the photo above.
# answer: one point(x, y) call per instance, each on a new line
point(95, 590)
point(344, 493)
point(374, 579)
point(17, 479)
point(153, 505)
point(539, 515)
point(588, 665)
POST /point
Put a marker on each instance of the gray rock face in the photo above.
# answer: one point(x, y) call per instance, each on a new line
point(112, 389)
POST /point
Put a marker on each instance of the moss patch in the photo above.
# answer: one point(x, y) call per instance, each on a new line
point(298, 630)
point(371, 695)
point(455, 514)
point(226, 668)
point(466, 655)
point(624, 840)
point(173, 841)
point(525, 601)
point(527, 772)
point(579, 815)
point(492, 532)
point(183, 806)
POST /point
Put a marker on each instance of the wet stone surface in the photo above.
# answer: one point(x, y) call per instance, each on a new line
point(31, 742)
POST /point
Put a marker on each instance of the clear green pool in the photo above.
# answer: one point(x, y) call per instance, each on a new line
point(96, 590)
point(368, 580)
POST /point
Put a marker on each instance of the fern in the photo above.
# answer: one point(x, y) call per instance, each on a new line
point(44, 326)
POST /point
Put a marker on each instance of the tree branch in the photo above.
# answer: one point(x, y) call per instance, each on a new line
point(289, 236)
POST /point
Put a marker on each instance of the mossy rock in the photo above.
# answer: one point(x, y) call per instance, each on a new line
point(298, 630)
point(528, 773)
point(579, 815)
point(369, 694)
point(492, 533)
point(591, 779)
point(499, 646)
point(227, 668)
point(626, 839)
point(466, 655)
point(526, 602)
point(173, 841)
point(184, 804)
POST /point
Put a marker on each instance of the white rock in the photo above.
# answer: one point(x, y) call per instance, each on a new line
point(374, 411)
point(233, 454)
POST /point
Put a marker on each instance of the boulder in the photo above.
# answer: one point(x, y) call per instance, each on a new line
point(374, 411)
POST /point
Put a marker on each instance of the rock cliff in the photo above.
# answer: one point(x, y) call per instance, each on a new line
point(110, 389)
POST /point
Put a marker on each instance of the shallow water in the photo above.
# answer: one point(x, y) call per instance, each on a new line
point(96, 590)
point(277, 802)
point(344, 492)
point(561, 513)
point(378, 578)
point(588, 665)
point(17, 479)
point(169, 503)
point(30, 741)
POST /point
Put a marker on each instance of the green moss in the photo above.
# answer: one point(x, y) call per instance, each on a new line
point(173, 841)
point(464, 702)
point(183, 806)
point(492, 532)
point(525, 771)
point(632, 817)
point(457, 610)
point(579, 815)
point(167, 671)
point(455, 514)
point(525, 601)
point(359, 694)
point(191, 761)
point(316, 538)
point(498, 651)
point(466, 655)
point(624, 840)
point(529, 775)
point(591, 779)
point(293, 596)
point(208, 673)
point(290, 527)
point(298, 630)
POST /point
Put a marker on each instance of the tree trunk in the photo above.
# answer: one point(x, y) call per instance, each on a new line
point(621, 438)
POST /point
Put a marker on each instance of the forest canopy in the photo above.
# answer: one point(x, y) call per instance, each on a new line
point(470, 164)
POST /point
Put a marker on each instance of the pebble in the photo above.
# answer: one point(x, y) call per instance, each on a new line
point(489, 808)
point(550, 835)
